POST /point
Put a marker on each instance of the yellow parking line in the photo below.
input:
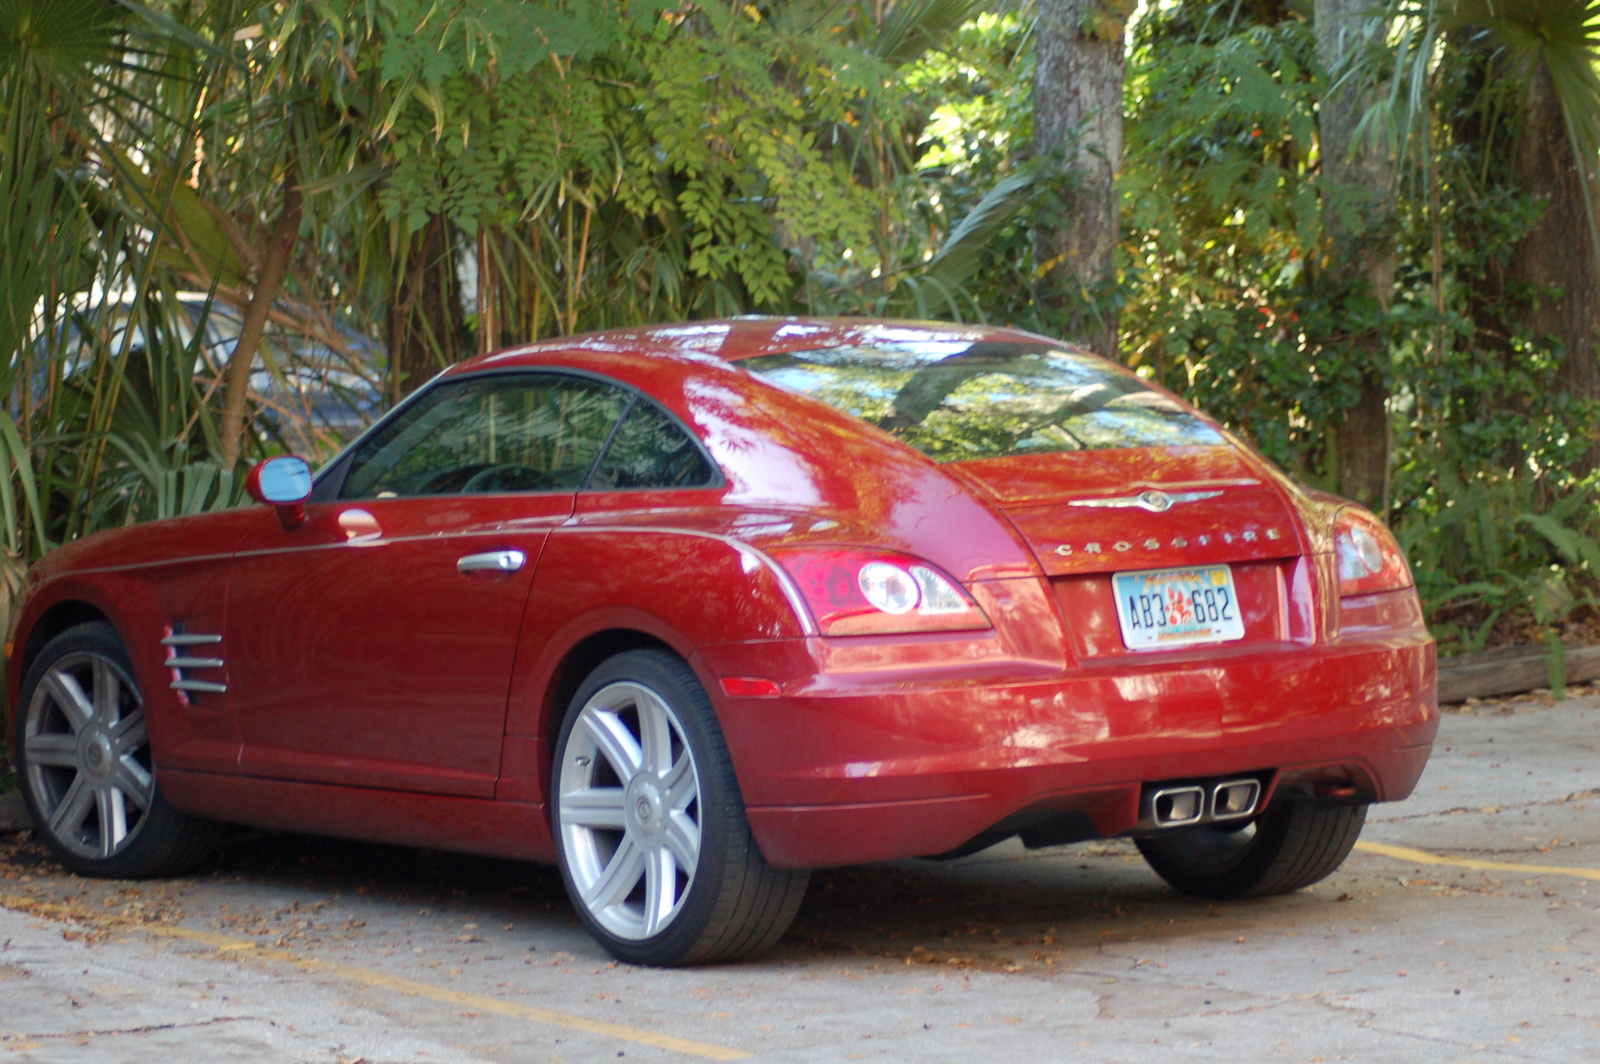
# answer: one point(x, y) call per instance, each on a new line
point(1403, 853)
point(409, 987)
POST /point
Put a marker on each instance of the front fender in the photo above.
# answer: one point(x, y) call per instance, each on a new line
point(140, 603)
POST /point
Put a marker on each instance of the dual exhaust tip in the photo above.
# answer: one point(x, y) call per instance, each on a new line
point(1201, 803)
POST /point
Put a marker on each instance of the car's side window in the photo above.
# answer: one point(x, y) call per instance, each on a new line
point(650, 450)
point(506, 433)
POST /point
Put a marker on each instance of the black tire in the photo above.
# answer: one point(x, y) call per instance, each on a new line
point(85, 769)
point(1291, 845)
point(642, 777)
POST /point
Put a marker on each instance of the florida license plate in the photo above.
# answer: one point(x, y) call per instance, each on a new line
point(1177, 607)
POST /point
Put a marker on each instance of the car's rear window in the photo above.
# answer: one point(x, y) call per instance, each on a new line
point(957, 400)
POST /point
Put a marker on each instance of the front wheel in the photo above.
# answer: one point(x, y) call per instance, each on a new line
point(1291, 845)
point(650, 829)
point(83, 755)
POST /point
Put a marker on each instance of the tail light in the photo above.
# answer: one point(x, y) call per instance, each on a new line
point(1369, 558)
point(857, 592)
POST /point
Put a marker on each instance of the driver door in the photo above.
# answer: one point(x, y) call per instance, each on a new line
point(372, 646)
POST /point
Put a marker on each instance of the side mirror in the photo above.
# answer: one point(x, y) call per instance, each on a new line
point(283, 482)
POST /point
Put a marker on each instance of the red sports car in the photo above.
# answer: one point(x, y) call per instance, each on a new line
point(692, 610)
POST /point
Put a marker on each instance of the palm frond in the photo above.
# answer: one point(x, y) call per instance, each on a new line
point(963, 249)
point(913, 27)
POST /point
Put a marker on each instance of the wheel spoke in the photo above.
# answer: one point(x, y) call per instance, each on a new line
point(620, 877)
point(52, 749)
point(596, 808)
point(69, 698)
point(679, 783)
point(615, 743)
point(113, 810)
point(107, 691)
point(132, 780)
point(655, 733)
point(73, 810)
point(130, 732)
point(682, 840)
point(660, 890)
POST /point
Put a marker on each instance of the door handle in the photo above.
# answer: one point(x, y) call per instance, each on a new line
point(492, 561)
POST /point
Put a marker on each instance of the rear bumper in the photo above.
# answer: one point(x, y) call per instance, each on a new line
point(850, 769)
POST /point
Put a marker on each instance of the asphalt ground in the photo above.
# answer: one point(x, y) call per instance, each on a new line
point(1466, 927)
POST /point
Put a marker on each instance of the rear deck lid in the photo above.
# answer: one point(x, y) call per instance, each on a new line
point(1146, 508)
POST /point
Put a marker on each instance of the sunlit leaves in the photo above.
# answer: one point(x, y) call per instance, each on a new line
point(702, 120)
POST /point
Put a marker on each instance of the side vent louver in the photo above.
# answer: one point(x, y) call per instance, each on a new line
point(183, 658)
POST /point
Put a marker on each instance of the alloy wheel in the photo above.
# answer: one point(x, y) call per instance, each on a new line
point(629, 810)
point(86, 754)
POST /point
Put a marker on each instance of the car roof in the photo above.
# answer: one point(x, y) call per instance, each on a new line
point(733, 339)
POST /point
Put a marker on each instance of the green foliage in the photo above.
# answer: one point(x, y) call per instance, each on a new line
point(478, 38)
point(82, 231)
point(1515, 36)
point(1223, 222)
point(1227, 303)
point(955, 241)
point(1491, 516)
point(475, 173)
point(721, 171)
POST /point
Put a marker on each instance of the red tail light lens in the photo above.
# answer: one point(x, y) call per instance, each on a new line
point(1369, 558)
point(855, 592)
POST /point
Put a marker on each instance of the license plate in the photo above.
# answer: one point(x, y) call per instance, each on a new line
point(1177, 607)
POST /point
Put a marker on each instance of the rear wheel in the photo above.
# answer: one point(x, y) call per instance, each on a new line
point(1291, 845)
point(650, 828)
point(83, 755)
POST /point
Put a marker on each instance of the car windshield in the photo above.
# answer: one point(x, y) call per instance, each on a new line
point(958, 400)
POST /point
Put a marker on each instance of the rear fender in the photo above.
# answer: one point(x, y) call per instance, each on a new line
point(624, 585)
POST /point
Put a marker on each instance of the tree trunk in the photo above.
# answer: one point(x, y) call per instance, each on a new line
point(1553, 266)
point(1077, 116)
point(425, 315)
point(236, 387)
point(1358, 223)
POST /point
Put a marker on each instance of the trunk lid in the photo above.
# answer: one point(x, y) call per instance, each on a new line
point(1134, 509)
point(1089, 515)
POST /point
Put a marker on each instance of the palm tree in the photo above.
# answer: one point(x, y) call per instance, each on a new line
point(1506, 91)
point(97, 99)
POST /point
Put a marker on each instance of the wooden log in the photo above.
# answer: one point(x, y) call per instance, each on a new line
point(1510, 671)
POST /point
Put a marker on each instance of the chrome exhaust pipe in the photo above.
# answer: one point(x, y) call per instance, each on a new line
point(1234, 799)
point(1174, 807)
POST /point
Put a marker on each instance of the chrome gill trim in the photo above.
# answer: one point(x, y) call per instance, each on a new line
point(194, 663)
point(180, 662)
point(182, 639)
point(200, 687)
point(1154, 501)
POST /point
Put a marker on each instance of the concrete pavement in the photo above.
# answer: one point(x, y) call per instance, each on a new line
point(1467, 928)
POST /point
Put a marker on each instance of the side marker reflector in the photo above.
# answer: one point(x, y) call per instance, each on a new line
point(749, 687)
